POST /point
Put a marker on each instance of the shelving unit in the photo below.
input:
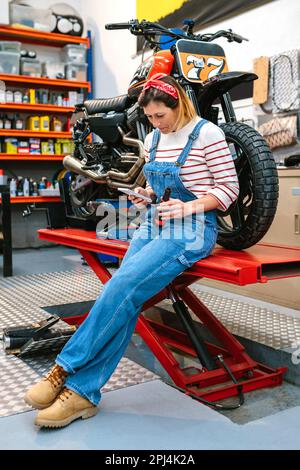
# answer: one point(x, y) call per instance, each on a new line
point(50, 134)
point(27, 164)
point(42, 82)
point(31, 157)
point(48, 108)
point(40, 37)
point(31, 199)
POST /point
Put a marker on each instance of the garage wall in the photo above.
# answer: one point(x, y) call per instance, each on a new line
point(271, 28)
point(113, 66)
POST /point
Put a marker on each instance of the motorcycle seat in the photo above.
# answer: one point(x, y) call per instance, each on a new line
point(103, 105)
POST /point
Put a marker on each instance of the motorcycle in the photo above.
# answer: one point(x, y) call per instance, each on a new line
point(199, 65)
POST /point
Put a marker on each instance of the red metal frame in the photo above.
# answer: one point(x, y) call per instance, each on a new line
point(257, 264)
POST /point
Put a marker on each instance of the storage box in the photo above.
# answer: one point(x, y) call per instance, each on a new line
point(76, 71)
point(31, 67)
point(9, 62)
point(26, 15)
point(75, 53)
point(50, 192)
point(10, 46)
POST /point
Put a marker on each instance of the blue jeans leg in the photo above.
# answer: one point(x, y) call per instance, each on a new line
point(93, 352)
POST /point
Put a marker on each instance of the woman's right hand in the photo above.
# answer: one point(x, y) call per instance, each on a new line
point(140, 203)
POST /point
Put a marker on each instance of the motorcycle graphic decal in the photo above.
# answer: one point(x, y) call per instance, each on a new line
point(142, 71)
point(201, 67)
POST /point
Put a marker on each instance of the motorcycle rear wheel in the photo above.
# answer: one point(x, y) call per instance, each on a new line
point(248, 219)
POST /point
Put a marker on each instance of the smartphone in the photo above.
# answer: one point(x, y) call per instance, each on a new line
point(133, 193)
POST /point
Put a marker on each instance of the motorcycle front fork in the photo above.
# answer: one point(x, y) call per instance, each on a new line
point(225, 100)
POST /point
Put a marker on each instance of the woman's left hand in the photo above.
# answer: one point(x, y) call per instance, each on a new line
point(174, 209)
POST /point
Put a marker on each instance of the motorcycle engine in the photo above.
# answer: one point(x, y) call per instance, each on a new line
point(96, 156)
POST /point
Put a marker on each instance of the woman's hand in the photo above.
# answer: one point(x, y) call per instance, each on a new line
point(140, 203)
point(175, 208)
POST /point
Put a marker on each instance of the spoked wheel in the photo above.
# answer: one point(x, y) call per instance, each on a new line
point(248, 219)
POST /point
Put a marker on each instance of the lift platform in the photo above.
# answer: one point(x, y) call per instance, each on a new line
point(235, 370)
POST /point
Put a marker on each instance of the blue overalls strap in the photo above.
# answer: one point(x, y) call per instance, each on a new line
point(154, 144)
point(192, 137)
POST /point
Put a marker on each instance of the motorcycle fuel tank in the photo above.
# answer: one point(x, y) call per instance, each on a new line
point(160, 62)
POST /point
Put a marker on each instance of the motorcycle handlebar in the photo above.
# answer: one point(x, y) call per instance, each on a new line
point(138, 28)
point(118, 26)
point(238, 38)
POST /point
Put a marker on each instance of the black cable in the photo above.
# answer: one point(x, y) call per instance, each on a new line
point(217, 406)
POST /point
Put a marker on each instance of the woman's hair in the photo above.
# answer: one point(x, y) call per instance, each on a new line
point(186, 110)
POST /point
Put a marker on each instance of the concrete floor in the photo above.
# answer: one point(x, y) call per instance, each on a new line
point(155, 415)
point(43, 260)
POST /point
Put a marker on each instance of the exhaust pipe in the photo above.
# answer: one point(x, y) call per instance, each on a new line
point(75, 165)
point(113, 178)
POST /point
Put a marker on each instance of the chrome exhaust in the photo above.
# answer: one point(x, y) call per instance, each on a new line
point(112, 178)
point(75, 165)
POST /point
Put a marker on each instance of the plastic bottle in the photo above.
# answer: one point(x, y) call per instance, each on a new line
point(13, 187)
point(18, 122)
point(26, 97)
point(35, 190)
point(59, 100)
point(34, 123)
point(44, 123)
point(9, 96)
point(1, 122)
point(56, 124)
point(43, 183)
point(7, 122)
point(30, 186)
point(26, 187)
point(18, 96)
point(68, 125)
point(20, 186)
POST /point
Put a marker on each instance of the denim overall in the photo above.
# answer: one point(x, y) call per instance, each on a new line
point(151, 262)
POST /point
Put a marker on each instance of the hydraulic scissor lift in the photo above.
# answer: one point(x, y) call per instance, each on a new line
point(225, 370)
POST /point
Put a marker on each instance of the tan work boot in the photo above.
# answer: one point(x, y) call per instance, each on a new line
point(67, 407)
point(43, 394)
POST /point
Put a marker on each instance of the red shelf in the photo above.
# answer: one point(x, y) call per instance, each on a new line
point(30, 199)
point(17, 133)
point(43, 82)
point(34, 157)
point(50, 108)
point(32, 36)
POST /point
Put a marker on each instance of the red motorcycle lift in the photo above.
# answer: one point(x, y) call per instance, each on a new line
point(259, 263)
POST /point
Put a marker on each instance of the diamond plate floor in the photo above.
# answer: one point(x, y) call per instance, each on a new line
point(260, 324)
point(22, 300)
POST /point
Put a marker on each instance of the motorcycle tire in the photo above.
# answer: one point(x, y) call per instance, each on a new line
point(248, 219)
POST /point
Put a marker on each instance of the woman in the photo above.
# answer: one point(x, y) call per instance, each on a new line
point(190, 156)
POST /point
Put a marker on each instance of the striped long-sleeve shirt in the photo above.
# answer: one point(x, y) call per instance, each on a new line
point(209, 168)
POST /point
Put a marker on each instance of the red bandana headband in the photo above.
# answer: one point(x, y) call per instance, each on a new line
point(155, 82)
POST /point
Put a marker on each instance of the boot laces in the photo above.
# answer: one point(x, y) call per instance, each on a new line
point(65, 394)
point(56, 375)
